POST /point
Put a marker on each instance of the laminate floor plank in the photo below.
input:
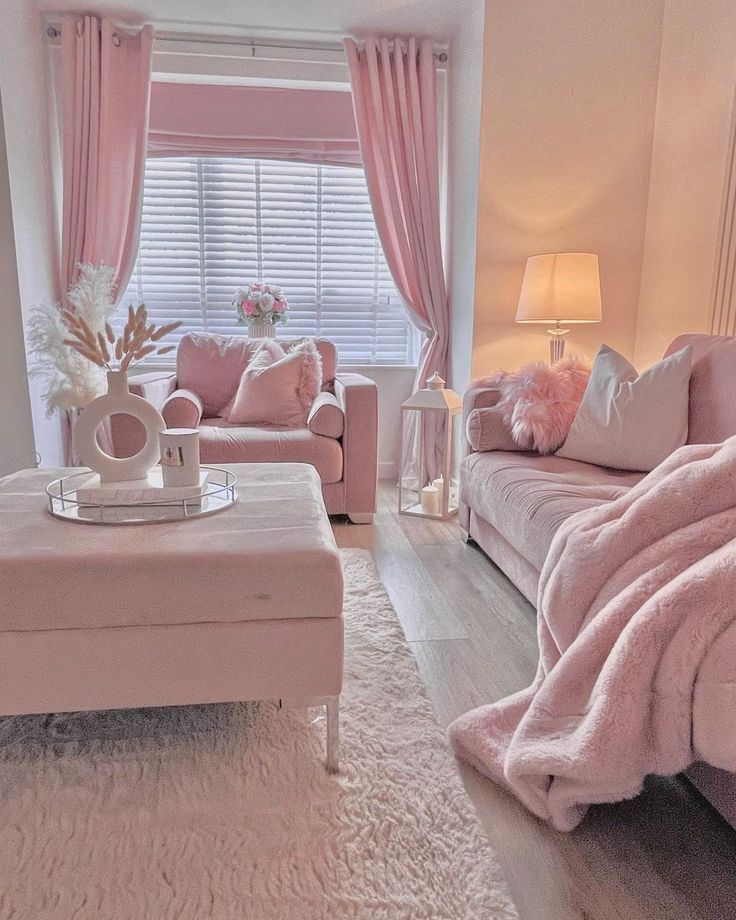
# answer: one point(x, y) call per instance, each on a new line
point(666, 855)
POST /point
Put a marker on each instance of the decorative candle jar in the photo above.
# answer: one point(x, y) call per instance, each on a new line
point(180, 456)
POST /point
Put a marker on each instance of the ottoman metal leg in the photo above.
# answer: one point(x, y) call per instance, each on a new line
point(332, 705)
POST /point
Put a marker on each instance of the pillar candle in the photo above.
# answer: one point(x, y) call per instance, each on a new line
point(431, 500)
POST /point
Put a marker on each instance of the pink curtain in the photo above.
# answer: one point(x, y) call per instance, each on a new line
point(106, 78)
point(313, 126)
point(394, 87)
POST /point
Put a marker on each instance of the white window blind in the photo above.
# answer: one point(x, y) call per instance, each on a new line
point(212, 224)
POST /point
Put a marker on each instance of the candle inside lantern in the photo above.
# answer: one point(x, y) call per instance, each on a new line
point(431, 500)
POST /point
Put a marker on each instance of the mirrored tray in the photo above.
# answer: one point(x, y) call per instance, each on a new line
point(63, 502)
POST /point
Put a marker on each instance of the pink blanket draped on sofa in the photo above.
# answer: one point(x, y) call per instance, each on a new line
point(633, 594)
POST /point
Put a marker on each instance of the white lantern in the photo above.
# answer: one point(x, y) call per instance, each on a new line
point(426, 487)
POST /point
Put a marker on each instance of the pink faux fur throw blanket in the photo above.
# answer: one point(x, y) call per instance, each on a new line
point(539, 401)
point(632, 595)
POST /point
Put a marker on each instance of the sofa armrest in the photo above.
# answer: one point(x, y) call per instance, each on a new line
point(326, 416)
point(477, 396)
point(183, 409)
point(156, 386)
point(486, 429)
point(126, 433)
point(358, 399)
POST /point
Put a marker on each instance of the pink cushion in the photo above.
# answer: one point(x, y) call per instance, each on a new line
point(278, 387)
point(183, 409)
point(221, 442)
point(540, 401)
point(212, 365)
point(326, 416)
point(526, 497)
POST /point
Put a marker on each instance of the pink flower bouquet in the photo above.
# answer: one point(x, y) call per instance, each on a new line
point(260, 303)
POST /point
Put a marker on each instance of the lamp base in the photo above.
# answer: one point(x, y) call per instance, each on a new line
point(557, 344)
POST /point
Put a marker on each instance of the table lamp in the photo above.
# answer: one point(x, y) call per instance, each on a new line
point(560, 287)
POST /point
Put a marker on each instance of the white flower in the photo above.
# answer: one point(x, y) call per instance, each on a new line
point(265, 302)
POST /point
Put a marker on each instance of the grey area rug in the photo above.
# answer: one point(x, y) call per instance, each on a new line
point(226, 812)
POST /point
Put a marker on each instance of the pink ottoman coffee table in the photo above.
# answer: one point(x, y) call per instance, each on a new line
point(243, 605)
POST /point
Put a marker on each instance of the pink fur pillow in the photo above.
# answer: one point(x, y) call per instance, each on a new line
point(278, 387)
point(539, 402)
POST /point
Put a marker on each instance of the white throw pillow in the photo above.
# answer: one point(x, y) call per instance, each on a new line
point(627, 420)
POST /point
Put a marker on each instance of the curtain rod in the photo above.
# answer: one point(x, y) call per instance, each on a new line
point(54, 32)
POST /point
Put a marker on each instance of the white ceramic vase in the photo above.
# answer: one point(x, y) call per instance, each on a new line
point(118, 401)
point(261, 330)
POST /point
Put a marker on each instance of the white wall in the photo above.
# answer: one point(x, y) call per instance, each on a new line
point(464, 90)
point(695, 106)
point(394, 386)
point(24, 73)
point(16, 427)
point(569, 93)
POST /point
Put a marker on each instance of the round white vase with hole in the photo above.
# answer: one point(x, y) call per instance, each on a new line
point(261, 330)
point(118, 401)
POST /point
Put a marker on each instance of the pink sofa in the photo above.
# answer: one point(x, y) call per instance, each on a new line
point(512, 503)
point(340, 440)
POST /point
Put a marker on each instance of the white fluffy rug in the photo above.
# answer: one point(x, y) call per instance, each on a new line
point(226, 812)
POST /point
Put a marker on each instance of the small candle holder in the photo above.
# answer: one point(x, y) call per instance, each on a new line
point(179, 457)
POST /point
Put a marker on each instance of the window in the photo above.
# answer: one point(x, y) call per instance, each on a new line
point(212, 224)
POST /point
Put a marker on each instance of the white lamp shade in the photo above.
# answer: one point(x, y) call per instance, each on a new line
point(561, 286)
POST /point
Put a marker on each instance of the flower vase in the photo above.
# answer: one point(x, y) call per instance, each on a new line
point(261, 329)
point(118, 401)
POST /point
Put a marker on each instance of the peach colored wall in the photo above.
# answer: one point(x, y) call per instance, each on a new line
point(567, 122)
point(694, 111)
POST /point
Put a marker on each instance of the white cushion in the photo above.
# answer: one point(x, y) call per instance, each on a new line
point(627, 420)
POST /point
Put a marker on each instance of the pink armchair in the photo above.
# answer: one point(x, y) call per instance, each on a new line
point(340, 440)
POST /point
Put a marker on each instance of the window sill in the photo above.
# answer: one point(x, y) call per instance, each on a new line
point(159, 367)
point(363, 368)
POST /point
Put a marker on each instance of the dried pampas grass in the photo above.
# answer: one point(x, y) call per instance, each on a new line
point(72, 347)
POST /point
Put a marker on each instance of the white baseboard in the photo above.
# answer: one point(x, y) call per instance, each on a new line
point(388, 469)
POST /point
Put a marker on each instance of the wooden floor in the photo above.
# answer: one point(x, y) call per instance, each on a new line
point(665, 856)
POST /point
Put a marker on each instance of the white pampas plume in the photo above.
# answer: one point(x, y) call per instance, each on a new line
point(91, 295)
point(70, 380)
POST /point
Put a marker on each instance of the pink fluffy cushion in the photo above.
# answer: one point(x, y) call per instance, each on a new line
point(278, 387)
point(539, 402)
